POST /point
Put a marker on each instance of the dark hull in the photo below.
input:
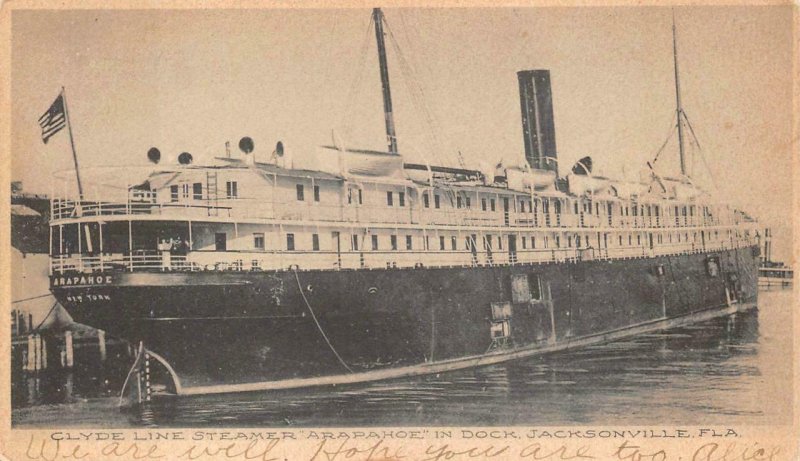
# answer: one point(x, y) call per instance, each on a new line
point(222, 328)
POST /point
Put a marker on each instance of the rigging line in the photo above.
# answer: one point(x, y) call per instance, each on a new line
point(428, 124)
point(405, 67)
point(416, 92)
point(691, 129)
point(346, 116)
point(702, 153)
point(671, 132)
point(415, 64)
point(331, 35)
point(661, 149)
point(52, 308)
point(356, 83)
point(31, 298)
point(313, 316)
point(408, 36)
point(695, 144)
point(110, 186)
point(708, 169)
point(432, 125)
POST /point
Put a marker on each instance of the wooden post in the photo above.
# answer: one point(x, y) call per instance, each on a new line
point(43, 352)
point(549, 298)
point(30, 364)
point(37, 353)
point(69, 358)
point(138, 387)
point(101, 344)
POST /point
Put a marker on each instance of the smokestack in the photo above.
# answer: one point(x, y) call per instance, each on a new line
point(538, 127)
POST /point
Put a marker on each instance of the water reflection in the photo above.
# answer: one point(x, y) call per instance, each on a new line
point(719, 371)
point(90, 377)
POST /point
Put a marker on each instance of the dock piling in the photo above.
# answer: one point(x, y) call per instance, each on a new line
point(37, 353)
point(43, 353)
point(101, 344)
point(30, 363)
point(68, 349)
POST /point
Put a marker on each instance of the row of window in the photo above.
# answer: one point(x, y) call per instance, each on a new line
point(451, 242)
point(195, 191)
point(532, 206)
point(301, 194)
point(232, 191)
point(259, 242)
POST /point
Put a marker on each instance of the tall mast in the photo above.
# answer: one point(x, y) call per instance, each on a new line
point(679, 108)
point(377, 17)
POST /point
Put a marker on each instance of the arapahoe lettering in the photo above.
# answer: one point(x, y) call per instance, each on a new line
point(82, 280)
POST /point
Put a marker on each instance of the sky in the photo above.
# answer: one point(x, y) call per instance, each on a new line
point(189, 80)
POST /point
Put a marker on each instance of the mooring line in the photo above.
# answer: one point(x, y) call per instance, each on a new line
point(52, 309)
point(127, 378)
point(319, 327)
point(31, 298)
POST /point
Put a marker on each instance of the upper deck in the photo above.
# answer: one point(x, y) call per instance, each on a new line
point(274, 218)
point(251, 195)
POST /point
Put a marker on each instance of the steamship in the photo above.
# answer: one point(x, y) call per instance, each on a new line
point(245, 275)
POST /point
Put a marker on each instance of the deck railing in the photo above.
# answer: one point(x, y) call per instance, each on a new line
point(68, 209)
point(144, 203)
point(280, 260)
point(117, 262)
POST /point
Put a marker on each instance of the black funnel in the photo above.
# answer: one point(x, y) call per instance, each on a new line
point(538, 126)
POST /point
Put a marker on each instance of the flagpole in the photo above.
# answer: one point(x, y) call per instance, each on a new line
point(72, 143)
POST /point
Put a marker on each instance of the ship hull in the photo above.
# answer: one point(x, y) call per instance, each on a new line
point(229, 331)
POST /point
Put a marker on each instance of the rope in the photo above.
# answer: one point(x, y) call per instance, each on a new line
point(416, 93)
point(329, 52)
point(31, 298)
point(355, 87)
point(319, 327)
point(53, 308)
point(672, 130)
point(702, 154)
point(133, 367)
point(691, 129)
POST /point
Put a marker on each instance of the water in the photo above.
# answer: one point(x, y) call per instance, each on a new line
point(734, 370)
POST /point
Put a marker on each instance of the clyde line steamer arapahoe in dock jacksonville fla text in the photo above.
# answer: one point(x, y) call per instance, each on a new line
point(242, 275)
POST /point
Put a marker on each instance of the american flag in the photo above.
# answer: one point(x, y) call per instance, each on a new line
point(54, 119)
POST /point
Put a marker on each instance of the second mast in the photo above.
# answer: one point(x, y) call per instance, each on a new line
point(377, 17)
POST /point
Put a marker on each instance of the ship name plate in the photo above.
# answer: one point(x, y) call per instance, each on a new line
point(75, 280)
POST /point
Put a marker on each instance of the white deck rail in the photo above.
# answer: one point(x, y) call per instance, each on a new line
point(244, 209)
point(304, 260)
